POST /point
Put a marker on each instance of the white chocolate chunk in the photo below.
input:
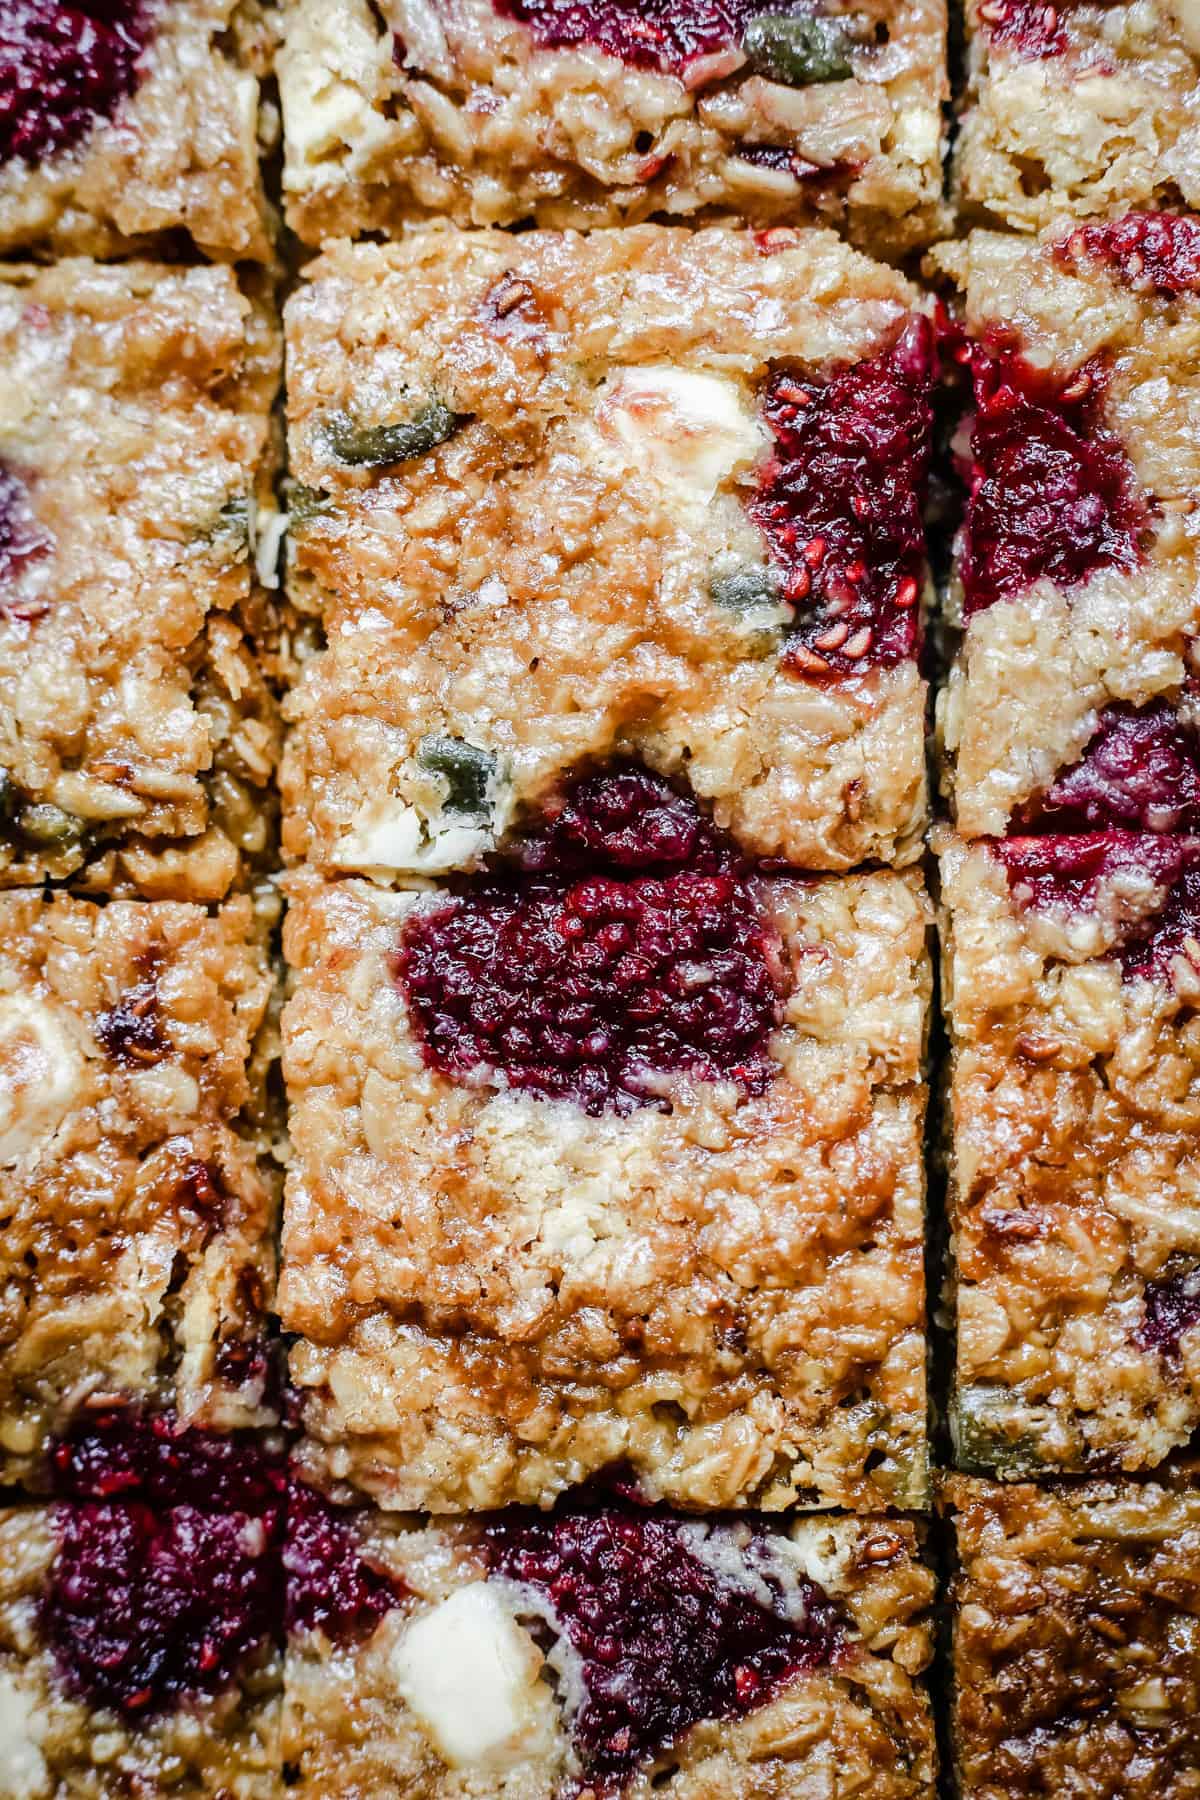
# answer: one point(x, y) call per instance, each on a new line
point(688, 431)
point(389, 835)
point(40, 1071)
point(470, 1674)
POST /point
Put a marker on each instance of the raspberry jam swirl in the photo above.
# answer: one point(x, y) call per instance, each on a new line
point(168, 1575)
point(841, 505)
point(627, 946)
point(63, 67)
point(1051, 494)
point(658, 1631)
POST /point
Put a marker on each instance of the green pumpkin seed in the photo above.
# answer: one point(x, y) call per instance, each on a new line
point(984, 1440)
point(305, 504)
point(798, 52)
point(375, 446)
point(50, 826)
point(467, 771)
point(745, 590)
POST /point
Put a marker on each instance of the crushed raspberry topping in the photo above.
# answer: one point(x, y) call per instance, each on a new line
point(789, 162)
point(1150, 951)
point(248, 1362)
point(1153, 252)
point(1059, 871)
point(629, 819)
point(62, 67)
point(1068, 873)
point(143, 1608)
point(661, 1638)
point(21, 536)
point(840, 504)
point(201, 1191)
point(628, 946)
point(331, 1586)
point(1141, 771)
point(1050, 493)
point(1172, 1308)
point(168, 1571)
point(1033, 29)
point(649, 34)
point(122, 1452)
point(131, 1031)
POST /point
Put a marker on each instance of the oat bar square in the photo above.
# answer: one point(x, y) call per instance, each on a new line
point(602, 1649)
point(610, 1155)
point(1077, 1639)
point(1076, 576)
point(609, 112)
point(1077, 108)
point(649, 493)
point(133, 126)
point(136, 1202)
point(138, 731)
point(1072, 974)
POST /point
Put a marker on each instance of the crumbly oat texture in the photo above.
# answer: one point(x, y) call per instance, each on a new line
point(1036, 666)
point(135, 1247)
point(451, 1696)
point(56, 1745)
point(178, 153)
point(1077, 1641)
point(525, 468)
point(138, 735)
point(1080, 108)
point(1075, 1185)
point(494, 1295)
point(405, 111)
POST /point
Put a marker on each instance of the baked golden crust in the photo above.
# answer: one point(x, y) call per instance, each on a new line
point(861, 1727)
point(179, 154)
point(1108, 121)
point(1032, 672)
point(137, 1214)
point(56, 1745)
point(1074, 1107)
point(1077, 1640)
point(540, 587)
point(494, 1294)
point(138, 736)
point(473, 122)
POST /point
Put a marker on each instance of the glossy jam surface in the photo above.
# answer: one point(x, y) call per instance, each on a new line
point(1070, 874)
point(131, 1031)
point(840, 505)
point(1151, 950)
point(832, 175)
point(630, 820)
point(1033, 29)
point(202, 1192)
point(126, 1454)
point(1155, 253)
point(144, 1608)
point(63, 67)
point(331, 1586)
point(661, 1638)
point(168, 1572)
point(1050, 493)
point(671, 36)
point(629, 947)
point(1140, 771)
point(1172, 1308)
